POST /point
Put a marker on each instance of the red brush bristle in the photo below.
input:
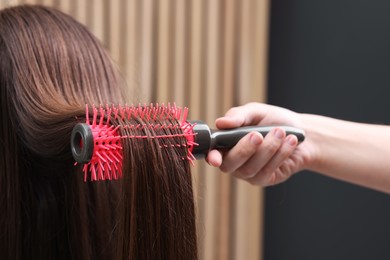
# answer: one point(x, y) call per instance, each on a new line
point(106, 161)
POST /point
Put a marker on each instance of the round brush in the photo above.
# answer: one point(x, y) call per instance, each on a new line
point(97, 143)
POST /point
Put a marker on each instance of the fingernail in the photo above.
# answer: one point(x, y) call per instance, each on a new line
point(278, 133)
point(214, 164)
point(292, 140)
point(255, 139)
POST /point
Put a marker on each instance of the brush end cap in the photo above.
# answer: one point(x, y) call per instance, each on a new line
point(82, 143)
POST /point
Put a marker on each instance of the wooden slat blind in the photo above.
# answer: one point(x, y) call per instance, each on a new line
point(208, 55)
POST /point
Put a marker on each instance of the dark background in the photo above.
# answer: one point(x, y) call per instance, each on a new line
point(332, 58)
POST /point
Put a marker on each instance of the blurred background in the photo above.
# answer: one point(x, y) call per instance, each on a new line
point(325, 57)
point(331, 58)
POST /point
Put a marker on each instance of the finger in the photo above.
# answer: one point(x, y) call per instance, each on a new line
point(241, 152)
point(249, 114)
point(229, 122)
point(269, 174)
point(271, 145)
point(214, 158)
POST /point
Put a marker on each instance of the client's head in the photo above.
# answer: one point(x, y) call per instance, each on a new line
point(50, 67)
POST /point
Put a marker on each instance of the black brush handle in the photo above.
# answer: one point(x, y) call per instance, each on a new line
point(208, 139)
point(225, 139)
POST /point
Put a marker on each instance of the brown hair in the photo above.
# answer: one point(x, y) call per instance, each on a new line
point(50, 67)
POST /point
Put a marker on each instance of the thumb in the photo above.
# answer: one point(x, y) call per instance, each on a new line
point(248, 114)
point(227, 122)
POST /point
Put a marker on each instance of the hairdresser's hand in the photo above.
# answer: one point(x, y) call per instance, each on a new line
point(262, 160)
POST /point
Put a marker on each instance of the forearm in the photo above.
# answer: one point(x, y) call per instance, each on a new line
point(354, 152)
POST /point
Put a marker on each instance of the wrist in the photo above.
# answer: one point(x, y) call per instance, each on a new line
point(314, 136)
